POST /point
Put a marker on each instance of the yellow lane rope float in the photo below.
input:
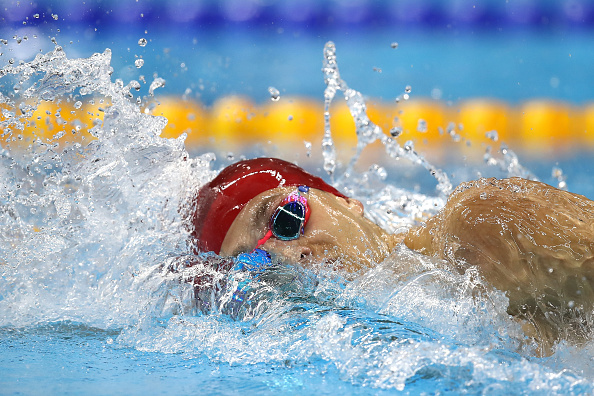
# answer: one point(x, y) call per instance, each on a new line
point(233, 122)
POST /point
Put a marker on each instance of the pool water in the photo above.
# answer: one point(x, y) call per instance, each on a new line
point(94, 296)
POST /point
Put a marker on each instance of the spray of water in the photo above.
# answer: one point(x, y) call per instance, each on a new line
point(84, 226)
point(96, 233)
point(367, 131)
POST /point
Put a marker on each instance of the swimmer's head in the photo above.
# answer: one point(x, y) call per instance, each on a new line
point(234, 213)
point(220, 201)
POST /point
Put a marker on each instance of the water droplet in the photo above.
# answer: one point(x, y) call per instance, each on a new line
point(274, 94)
point(290, 118)
point(436, 93)
point(377, 69)
point(396, 131)
point(36, 16)
point(142, 42)
point(407, 89)
point(422, 125)
point(492, 135)
point(379, 171)
point(135, 84)
point(78, 104)
point(308, 147)
point(571, 304)
point(139, 63)
point(55, 16)
point(157, 83)
point(394, 45)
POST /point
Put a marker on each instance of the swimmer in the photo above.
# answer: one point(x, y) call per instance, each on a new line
point(530, 240)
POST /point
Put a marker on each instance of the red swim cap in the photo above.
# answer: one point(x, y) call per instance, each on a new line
point(219, 202)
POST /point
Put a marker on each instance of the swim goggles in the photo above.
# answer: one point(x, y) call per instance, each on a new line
point(289, 219)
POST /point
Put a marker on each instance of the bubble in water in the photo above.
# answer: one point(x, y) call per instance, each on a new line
point(139, 63)
point(142, 42)
point(377, 69)
point(36, 16)
point(55, 16)
point(78, 104)
point(422, 125)
point(407, 89)
point(492, 135)
point(274, 94)
point(394, 45)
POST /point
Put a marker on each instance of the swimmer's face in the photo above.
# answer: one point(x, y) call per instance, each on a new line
point(336, 233)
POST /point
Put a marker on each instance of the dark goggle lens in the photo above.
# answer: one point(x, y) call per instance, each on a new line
point(288, 220)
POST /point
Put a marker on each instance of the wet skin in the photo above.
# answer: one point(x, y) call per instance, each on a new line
point(530, 240)
point(336, 233)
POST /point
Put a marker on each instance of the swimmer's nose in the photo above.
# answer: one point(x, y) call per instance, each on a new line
point(305, 253)
point(288, 251)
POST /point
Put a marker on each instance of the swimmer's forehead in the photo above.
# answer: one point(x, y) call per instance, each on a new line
point(256, 214)
point(262, 204)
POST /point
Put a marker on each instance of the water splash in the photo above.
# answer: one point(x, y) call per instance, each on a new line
point(508, 162)
point(87, 223)
point(94, 233)
point(367, 131)
point(333, 83)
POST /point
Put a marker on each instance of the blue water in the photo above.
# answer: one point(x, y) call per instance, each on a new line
point(88, 305)
point(65, 358)
point(448, 64)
